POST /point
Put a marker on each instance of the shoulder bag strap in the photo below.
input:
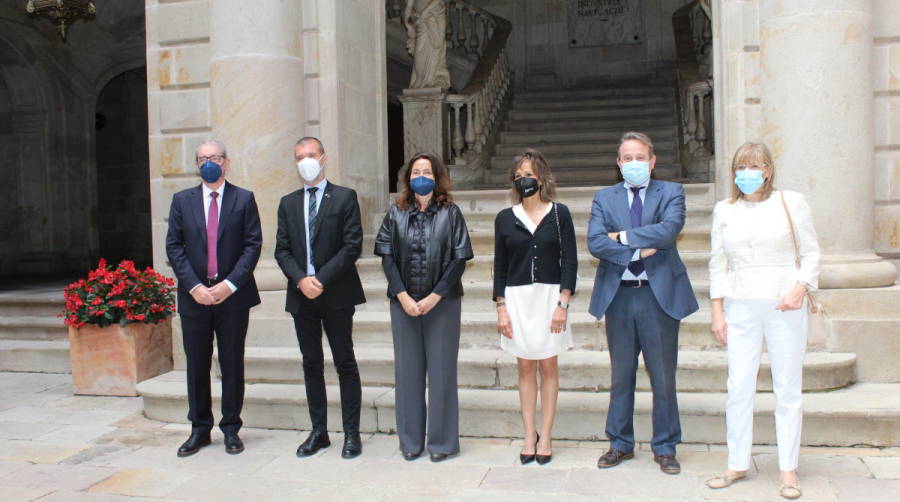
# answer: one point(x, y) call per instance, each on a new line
point(813, 305)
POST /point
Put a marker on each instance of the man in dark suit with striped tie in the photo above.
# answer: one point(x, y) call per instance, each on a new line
point(318, 242)
point(213, 244)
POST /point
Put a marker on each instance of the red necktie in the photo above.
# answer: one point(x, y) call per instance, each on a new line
point(212, 237)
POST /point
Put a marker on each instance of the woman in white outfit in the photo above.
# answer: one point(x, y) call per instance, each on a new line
point(758, 291)
point(535, 267)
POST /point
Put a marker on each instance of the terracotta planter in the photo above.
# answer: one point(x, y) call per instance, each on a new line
point(111, 361)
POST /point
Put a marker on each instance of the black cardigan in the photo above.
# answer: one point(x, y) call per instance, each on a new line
point(516, 250)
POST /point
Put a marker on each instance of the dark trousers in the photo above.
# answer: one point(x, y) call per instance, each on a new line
point(427, 345)
point(338, 324)
point(229, 328)
point(636, 324)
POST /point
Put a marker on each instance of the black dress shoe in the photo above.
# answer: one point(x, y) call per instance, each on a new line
point(668, 464)
point(613, 457)
point(440, 457)
point(527, 459)
point(233, 444)
point(315, 442)
point(541, 459)
point(352, 446)
point(193, 444)
point(409, 457)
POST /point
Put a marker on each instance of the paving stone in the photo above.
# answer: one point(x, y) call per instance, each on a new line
point(818, 465)
point(76, 434)
point(17, 493)
point(291, 468)
point(143, 482)
point(23, 430)
point(867, 490)
point(10, 467)
point(422, 473)
point(38, 453)
point(67, 496)
point(57, 477)
point(48, 415)
point(635, 483)
point(229, 488)
point(884, 467)
point(214, 459)
point(525, 479)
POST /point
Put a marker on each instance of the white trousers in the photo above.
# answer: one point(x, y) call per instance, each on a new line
point(749, 322)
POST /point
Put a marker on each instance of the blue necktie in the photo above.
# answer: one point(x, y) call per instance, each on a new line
point(637, 207)
point(312, 217)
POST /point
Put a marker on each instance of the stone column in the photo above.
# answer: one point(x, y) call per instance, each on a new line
point(817, 101)
point(256, 100)
point(425, 122)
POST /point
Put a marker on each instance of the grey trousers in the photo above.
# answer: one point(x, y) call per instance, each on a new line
point(427, 345)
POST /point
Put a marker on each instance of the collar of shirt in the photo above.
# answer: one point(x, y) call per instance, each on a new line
point(643, 185)
point(320, 186)
point(207, 190)
point(414, 208)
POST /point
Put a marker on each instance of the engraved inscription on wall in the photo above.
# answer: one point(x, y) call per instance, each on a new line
point(595, 23)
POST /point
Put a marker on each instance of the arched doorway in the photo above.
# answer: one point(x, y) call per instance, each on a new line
point(123, 178)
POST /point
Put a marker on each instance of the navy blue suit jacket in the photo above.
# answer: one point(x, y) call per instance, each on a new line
point(661, 221)
point(238, 247)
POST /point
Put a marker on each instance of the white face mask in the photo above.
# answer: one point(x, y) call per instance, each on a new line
point(309, 169)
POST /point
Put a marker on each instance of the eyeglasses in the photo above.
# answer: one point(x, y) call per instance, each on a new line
point(754, 166)
point(214, 158)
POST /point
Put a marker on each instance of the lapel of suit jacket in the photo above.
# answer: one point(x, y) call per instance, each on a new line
point(651, 200)
point(196, 203)
point(324, 206)
point(228, 201)
point(301, 205)
point(622, 210)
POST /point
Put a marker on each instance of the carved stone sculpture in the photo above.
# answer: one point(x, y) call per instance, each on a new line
point(426, 25)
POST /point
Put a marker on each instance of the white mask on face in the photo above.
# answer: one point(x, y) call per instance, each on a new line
point(309, 169)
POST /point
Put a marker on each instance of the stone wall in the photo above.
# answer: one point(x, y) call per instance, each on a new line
point(540, 52)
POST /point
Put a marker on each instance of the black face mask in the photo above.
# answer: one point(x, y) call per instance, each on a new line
point(526, 186)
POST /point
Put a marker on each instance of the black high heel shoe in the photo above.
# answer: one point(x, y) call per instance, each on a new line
point(542, 459)
point(527, 459)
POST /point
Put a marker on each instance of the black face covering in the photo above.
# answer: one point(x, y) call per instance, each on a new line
point(526, 186)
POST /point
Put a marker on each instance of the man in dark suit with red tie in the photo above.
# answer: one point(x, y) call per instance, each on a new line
point(213, 244)
point(318, 242)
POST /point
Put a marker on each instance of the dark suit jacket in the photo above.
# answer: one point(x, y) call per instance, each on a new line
point(661, 222)
point(239, 245)
point(337, 244)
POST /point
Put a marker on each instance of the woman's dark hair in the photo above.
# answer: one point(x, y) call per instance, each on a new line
point(541, 169)
point(441, 197)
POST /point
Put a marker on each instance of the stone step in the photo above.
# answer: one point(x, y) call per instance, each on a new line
point(557, 104)
point(35, 356)
point(558, 162)
point(492, 201)
point(586, 175)
point(23, 302)
point(583, 370)
point(871, 411)
point(536, 139)
point(658, 121)
point(606, 92)
point(481, 267)
point(616, 112)
point(32, 328)
point(585, 148)
point(372, 327)
point(690, 239)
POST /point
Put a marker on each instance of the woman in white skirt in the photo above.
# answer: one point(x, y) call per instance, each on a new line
point(763, 262)
point(535, 267)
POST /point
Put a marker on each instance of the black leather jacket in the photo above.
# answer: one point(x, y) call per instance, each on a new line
point(447, 248)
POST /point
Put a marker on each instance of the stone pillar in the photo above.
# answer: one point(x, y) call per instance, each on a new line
point(256, 99)
point(425, 122)
point(817, 101)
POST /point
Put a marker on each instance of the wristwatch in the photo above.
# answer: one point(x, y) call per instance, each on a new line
point(562, 305)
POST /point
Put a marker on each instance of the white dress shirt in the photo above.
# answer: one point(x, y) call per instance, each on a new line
point(207, 200)
point(752, 254)
point(320, 193)
point(627, 275)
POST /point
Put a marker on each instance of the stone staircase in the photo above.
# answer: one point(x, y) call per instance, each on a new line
point(32, 338)
point(577, 130)
point(489, 403)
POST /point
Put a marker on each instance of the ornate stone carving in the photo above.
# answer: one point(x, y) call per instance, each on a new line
point(426, 24)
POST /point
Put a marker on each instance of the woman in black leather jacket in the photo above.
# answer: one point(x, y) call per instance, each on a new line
point(424, 244)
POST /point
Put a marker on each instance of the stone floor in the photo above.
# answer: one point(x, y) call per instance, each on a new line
point(58, 447)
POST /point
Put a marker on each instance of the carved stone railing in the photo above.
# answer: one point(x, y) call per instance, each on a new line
point(693, 41)
point(462, 126)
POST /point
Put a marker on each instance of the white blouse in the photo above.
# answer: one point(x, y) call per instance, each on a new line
point(752, 254)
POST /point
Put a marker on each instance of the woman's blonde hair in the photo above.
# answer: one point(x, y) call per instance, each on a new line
point(753, 154)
